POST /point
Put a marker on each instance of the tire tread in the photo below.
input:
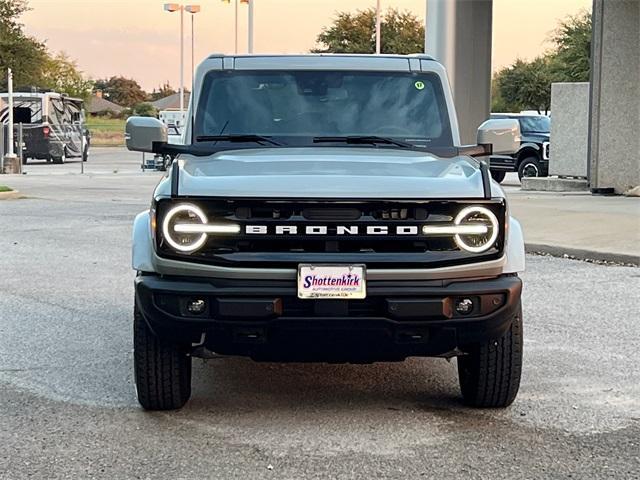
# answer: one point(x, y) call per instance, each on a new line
point(162, 370)
point(490, 373)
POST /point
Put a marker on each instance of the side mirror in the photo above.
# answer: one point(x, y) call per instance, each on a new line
point(502, 134)
point(141, 132)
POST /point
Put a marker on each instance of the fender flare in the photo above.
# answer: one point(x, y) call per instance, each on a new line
point(142, 243)
point(528, 146)
point(514, 248)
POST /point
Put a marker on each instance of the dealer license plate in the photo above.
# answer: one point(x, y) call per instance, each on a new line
point(332, 281)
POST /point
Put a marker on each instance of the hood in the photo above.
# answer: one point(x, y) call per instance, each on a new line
point(327, 172)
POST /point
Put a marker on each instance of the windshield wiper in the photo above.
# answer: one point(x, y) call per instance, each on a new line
point(239, 137)
point(364, 139)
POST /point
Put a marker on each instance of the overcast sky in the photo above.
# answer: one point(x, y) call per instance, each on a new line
point(137, 39)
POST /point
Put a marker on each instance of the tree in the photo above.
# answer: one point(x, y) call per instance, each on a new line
point(10, 11)
point(401, 33)
point(527, 85)
point(123, 91)
point(162, 92)
point(61, 74)
point(144, 109)
point(572, 53)
point(23, 54)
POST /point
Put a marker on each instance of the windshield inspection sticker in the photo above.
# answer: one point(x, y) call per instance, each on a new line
point(419, 85)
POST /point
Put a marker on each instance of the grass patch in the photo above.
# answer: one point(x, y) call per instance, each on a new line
point(4, 188)
point(106, 131)
point(105, 124)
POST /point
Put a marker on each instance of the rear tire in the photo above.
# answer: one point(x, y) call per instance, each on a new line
point(85, 155)
point(498, 176)
point(61, 159)
point(162, 369)
point(490, 373)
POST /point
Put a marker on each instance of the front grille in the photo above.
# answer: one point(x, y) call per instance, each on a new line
point(325, 233)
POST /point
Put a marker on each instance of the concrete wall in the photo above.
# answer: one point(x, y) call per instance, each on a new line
point(615, 95)
point(569, 129)
point(458, 34)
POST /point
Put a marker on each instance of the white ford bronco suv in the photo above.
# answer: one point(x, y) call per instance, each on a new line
point(321, 208)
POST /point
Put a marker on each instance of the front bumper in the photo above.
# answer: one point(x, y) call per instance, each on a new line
point(503, 163)
point(266, 321)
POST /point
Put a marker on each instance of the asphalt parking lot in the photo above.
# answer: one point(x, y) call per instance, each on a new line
point(67, 400)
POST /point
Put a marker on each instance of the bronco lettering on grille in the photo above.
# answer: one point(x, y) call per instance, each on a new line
point(336, 230)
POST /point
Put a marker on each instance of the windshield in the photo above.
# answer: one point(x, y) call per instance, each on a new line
point(535, 124)
point(298, 106)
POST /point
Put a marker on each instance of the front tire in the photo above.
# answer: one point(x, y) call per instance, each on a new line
point(162, 369)
point(490, 372)
point(529, 167)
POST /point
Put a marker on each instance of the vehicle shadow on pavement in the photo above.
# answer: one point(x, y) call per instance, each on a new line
point(231, 384)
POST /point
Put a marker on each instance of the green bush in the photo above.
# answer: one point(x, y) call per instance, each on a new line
point(144, 109)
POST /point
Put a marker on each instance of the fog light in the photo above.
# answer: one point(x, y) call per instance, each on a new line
point(464, 306)
point(196, 306)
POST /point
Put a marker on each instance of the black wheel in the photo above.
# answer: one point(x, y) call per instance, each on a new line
point(62, 158)
point(498, 176)
point(529, 167)
point(85, 155)
point(162, 369)
point(490, 373)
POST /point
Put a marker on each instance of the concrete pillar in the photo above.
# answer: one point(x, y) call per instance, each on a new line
point(458, 34)
point(569, 129)
point(614, 145)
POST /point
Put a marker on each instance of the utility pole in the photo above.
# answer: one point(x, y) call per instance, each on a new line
point(10, 151)
point(182, 63)
point(236, 30)
point(378, 22)
point(193, 60)
point(193, 9)
point(10, 158)
point(250, 43)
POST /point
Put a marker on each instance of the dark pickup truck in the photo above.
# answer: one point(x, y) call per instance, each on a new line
point(532, 160)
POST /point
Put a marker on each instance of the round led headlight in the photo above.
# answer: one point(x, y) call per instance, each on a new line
point(184, 241)
point(477, 242)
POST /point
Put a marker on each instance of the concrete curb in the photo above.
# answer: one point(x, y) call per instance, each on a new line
point(582, 254)
point(12, 195)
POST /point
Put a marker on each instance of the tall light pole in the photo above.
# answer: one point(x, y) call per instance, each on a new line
point(250, 40)
point(378, 22)
point(10, 151)
point(176, 7)
point(236, 30)
point(192, 9)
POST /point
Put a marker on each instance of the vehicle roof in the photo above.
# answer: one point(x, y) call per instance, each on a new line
point(518, 115)
point(40, 95)
point(423, 56)
point(320, 61)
